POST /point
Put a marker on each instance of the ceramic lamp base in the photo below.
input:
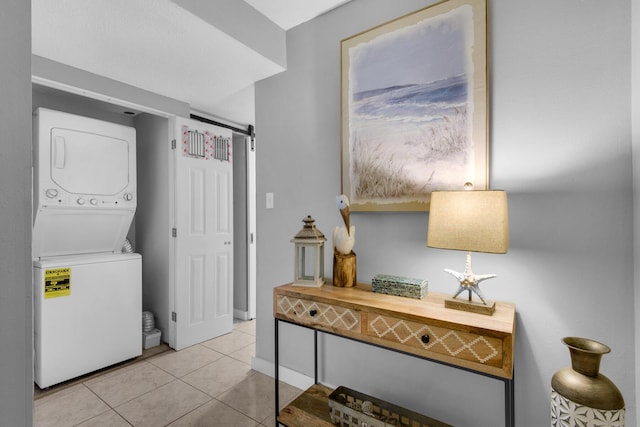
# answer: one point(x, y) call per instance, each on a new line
point(475, 307)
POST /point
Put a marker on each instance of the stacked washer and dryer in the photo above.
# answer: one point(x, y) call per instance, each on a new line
point(87, 292)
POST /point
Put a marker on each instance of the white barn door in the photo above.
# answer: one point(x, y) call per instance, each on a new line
point(204, 233)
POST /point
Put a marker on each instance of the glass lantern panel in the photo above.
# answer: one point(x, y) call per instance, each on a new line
point(307, 262)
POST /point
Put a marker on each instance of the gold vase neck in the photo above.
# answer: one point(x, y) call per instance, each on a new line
point(585, 354)
point(582, 383)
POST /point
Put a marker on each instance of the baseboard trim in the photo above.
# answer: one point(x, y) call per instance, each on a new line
point(286, 375)
point(239, 314)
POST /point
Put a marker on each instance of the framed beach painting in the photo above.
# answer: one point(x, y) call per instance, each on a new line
point(415, 107)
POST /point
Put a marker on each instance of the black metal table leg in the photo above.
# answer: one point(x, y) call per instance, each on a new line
point(315, 356)
point(277, 369)
point(509, 403)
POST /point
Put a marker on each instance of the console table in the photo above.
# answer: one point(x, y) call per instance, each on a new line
point(423, 328)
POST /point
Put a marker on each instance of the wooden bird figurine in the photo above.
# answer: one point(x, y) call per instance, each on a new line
point(342, 203)
point(344, 237)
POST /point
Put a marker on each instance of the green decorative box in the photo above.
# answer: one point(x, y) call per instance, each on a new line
point(400, 286)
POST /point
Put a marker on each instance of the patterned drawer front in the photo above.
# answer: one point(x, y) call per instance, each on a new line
point(319, 314)
point(461, 345)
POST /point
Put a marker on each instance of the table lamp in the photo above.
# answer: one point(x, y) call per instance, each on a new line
point(472, 221)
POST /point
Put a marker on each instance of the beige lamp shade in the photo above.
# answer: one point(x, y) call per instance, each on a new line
point(475, 221)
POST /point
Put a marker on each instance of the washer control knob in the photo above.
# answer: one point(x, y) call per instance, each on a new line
point(93, 202)
point(128, 197)
point(51, 193)
point(80, 201)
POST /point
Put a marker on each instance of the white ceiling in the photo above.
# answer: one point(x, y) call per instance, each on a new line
point(289, 13)
point(158, 46)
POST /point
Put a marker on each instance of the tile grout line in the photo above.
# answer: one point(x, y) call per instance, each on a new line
point(243, 334)
point(111, 408)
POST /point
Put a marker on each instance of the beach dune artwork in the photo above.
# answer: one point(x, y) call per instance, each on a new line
point(414, 123)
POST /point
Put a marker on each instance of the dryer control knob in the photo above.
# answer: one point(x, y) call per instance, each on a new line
point(51, 193)
point(80, 201)
point(93, 202)
point(128, 197)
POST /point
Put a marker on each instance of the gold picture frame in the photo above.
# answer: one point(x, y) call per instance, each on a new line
point(414, 105)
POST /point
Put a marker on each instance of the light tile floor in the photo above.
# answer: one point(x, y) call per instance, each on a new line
point(208, 384)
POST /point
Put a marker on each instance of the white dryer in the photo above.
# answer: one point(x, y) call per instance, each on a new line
point(88, 294)
point(84, 184)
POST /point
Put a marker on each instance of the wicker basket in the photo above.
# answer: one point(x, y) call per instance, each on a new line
point(349, 408)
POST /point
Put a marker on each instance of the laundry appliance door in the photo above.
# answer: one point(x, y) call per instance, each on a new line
point(61, 231)
point(88, 163)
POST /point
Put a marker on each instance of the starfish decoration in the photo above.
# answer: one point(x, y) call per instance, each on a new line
point(468, 281)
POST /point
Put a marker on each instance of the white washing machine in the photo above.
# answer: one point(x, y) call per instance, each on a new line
point(87, 314)
point(88, 294)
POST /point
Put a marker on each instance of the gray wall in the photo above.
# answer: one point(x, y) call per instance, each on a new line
point(16, 378)
point(154, 216)
point(46, 70)
point(240, 226)
point(53, 99)
point(635, 134)
point(560, 110)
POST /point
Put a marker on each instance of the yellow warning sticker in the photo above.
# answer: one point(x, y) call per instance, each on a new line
point(57, 282)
